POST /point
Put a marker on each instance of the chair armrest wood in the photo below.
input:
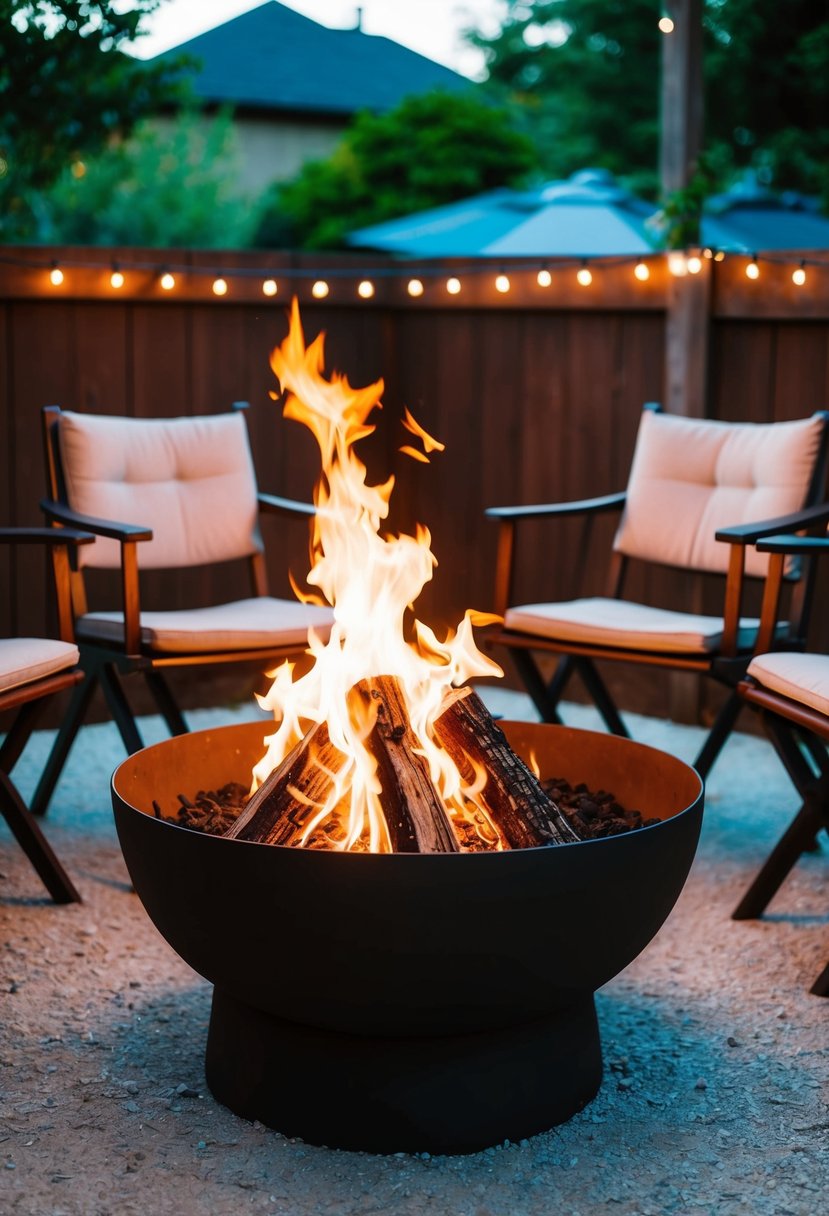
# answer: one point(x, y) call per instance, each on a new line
point(583, 506)
point(44, 536)
point(509, 517)
point(749, 534)
point(794, 544)
point(59, 541)
point(272, 504)
point(60, 514)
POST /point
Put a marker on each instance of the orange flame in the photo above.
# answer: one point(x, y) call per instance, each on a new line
point(370, 580)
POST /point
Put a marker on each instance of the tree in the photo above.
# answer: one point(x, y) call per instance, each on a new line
point(172, 183)
point(431, 149)
point(585, 76)
point(66, 90)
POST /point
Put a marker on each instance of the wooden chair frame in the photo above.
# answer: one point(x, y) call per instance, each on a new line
point(29, 700)
point(105, 665)
point(726, 665)
point(800, 736)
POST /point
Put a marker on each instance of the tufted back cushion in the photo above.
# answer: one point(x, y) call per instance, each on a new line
point(691, 476)
point(189, 479)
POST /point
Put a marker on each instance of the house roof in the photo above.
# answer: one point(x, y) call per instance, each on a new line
point(589, 215)
point(273, 58)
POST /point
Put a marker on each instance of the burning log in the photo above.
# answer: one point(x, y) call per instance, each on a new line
point(416, 818)
point(276, 812)
point(522, 811)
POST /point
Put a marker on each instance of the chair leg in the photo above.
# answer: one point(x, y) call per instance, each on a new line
point(545, 701)
point(166, 703)
point(821, 984)
point(723, 725)
point(27, 832)
point(19, 733)
point(119, 708)
point(602, 699)
point(796, 840)
point(53, 768)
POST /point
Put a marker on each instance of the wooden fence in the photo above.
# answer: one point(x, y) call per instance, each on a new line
point(536, 392)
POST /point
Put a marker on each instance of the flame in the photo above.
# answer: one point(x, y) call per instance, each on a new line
point(370, 579)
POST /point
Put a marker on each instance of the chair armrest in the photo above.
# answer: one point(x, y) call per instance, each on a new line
point(749, 534)
point(44, 536)
point(60, 514)
point(583, 506)
point(794, 544)
point(271, 504)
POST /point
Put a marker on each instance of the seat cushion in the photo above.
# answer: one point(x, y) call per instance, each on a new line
point(24, 660)
point(800, 677)
point(629, 626)
point(243, 625)
point(692, 476)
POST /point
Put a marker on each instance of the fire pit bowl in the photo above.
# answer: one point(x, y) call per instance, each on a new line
point(407, 1002)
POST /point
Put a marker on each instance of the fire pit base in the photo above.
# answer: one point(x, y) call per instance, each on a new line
point(453, 1094)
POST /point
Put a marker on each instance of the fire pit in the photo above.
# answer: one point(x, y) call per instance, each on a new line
point(407, 1001)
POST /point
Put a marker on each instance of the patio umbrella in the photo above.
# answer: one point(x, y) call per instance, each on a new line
point(749, 218)
point(588, 215)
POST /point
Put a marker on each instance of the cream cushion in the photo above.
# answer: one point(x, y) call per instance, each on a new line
point(608, 622)
point(800, 677)
point(690, 477)
point(24, 660)
point(190, 480)
point(243, 625)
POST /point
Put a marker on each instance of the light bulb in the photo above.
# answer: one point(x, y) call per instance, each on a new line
point(453, 286)
point(320, 289)
point(415, 287)
point(167, 281)
point(694, 264)
point(502, 284)
point(544, 278)
point(56, 276)
point(116, 279)
point(666, 25)
point(584, 276)
point(642, 272)
point(799, 276)
point(269, 287)
point(752, 270)
point(677, 264)
point(219, 287)
point(365, 290)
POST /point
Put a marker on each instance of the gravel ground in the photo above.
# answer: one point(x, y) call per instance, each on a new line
point(715, 1096)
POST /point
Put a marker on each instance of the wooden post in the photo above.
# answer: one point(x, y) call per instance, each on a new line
point(686, 333)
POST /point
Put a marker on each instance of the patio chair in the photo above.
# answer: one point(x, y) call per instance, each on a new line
point(32, 672)
point(791, 694)
point(163, 494)
point(692, 483)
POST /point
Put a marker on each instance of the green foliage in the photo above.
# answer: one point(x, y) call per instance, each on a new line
point(584, 76)
point(430, 150)
point(172, 183)
point(66, 90)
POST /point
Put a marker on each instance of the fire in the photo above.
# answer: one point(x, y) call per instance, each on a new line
point(370, 578)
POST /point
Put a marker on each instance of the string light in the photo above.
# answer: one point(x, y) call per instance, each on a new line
point(220, 287)
point(642, 272)
point(502, 284)
point(799, 275)
point(269, 287)
point(752, 269)
point(544, 278)
point(320, 289)
point(584, 275)
point(694, 264)
point(167, 281)
point(365, 289)
point(415, 288)
point(666, 25)
point(453, 286)
point(116, 279)
point(677, 264)
point(719, 256)
point(55, 275)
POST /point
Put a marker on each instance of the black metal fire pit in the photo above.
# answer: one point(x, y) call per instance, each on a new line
point(407, 1002)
